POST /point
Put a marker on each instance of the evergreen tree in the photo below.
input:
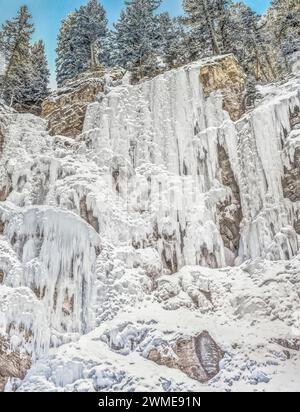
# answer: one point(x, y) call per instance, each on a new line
point(15, 45)
point(248, 41)
point(82, 41)
point(40, 74)
point(90, 33)
point(283, 25)
point(172, 40)
point(66, 64)
point(209, 22)
point(137, 38)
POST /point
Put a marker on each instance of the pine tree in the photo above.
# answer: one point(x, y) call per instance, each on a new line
point(286, 15)
point(248, 41)
point(208, 20)
point(283, 25)
point(66, 65)
point(15, 45)
point(91, 31)
point(137, 38)
point(172, 40)
point(40, 74)
point(82, 41)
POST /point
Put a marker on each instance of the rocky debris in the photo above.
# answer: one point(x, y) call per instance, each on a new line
point(198, 357)
point(291, 344)
point(229, 211)
point(226, 75)
point(13, 364)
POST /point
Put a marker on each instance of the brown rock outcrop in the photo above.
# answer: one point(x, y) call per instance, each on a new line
point(13, 364)
point(198, 357)
point(291, 179)
point(65, 109)
point(229, 212)
point(87, 215)
point(225, 74)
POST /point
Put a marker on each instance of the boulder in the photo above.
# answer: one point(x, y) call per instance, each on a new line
point(198, 357)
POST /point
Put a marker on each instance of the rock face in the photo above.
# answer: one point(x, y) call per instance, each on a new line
point(197, 357)
point(65, 109)
point(291, 179)
point(12, 364)
point(230, 210)
point(225, 74)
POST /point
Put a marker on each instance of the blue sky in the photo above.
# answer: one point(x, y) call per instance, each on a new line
point(47, 15)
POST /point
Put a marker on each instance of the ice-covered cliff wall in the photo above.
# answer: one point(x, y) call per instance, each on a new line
point(167, 173)
point(173, 164)
point(208, 189)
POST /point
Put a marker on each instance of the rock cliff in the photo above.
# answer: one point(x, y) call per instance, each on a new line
point(65, 108)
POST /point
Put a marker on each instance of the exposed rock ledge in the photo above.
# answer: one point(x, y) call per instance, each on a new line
point(224, 73)
point(65, 109)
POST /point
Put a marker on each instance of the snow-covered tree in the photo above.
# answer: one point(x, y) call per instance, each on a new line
point(82, 41)
point(25, 75)
point(91, 31)
point(208, 20)
point(66, 65)
point(15, 46)
point(248, 41)
point(283, 25)
point(136, 38)
point(40, 73)
point(172, 40)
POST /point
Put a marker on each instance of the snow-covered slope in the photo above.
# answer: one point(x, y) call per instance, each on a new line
point(164, 220)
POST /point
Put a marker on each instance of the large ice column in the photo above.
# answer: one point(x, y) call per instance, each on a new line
point(265, 139)
point(56, 254)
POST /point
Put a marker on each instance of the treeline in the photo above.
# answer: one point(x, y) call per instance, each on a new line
point(146, 42)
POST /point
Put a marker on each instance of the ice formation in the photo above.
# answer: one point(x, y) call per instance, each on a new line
point(164, 209)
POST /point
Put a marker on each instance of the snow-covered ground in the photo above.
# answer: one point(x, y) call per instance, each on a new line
point(162, 220)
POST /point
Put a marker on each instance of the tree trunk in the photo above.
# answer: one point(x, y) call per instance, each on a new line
point(212, 32)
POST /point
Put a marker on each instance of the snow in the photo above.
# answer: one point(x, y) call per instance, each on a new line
point(113, 356)
point(111, 243)
point(56, 254)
